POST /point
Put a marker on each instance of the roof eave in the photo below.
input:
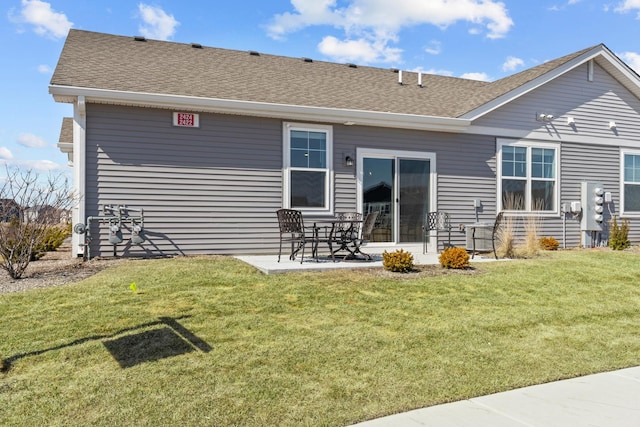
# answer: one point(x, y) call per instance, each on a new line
point(261, 109)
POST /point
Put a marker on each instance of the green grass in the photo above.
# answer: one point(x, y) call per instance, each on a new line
point(210, 341)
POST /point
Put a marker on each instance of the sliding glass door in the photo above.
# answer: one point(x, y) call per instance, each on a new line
point(398, 186)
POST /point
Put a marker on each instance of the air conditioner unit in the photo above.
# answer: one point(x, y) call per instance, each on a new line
point(484, 231)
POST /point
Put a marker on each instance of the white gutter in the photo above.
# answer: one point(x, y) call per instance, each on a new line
point(262, 109)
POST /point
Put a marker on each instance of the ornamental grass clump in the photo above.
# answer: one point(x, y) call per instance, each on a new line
point(455, 258)
point(549, 243)
point(398, 261)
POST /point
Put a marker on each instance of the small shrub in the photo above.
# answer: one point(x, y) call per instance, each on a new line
point(53, 237)
point(398, 261)
point(549, 243)
point(456, 258)
point(619, 235)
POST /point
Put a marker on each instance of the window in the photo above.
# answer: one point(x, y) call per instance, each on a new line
point(631, 182)
point(527, 174)
point(307, 167)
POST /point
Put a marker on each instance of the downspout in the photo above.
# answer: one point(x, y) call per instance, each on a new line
point(79, 171)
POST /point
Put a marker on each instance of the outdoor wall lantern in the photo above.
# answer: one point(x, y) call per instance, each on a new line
point(348, 161)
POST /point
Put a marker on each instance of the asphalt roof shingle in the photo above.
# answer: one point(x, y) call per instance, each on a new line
point(118, 63)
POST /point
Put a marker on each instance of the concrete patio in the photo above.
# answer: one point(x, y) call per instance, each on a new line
point(269, 264)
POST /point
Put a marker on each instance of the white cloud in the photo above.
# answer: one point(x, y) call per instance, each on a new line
point(309, 12)
point(483, 77)
point(512, 63)
point(157, 24)
point(5, 153)
point(627, 6)
point(40, 165)
point(632, 59)
point(44, 69)
point(434, 47)
point(445, 73)
point(360, 50)
point(46, 21)
point(378, 22)
point(30, 140)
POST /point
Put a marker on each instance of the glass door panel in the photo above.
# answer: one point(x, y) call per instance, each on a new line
point(413, 198)
point(397, 188)
point(378, 195)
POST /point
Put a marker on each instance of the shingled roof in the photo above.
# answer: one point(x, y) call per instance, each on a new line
point(137, 65)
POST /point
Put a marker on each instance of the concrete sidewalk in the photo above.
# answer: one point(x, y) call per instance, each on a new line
point(609, 399)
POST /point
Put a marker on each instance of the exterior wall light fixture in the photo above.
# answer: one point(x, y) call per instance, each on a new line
point(542, 117)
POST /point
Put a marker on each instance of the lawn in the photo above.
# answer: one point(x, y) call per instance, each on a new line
point(211, 341)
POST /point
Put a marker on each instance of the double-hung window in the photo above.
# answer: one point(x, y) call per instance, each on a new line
point(630, 182)
point(308, 167)
point(527, 177)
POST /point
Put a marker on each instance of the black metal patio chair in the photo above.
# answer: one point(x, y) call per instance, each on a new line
point(366, 231)
point(438, 221)
point(346, 230)
point(292, 230)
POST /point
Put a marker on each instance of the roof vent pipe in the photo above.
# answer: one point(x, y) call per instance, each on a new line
point(400, 76)
point(420, 79)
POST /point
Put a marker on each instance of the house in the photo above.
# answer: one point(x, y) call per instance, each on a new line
point(9, 210)
point(211, 142)
point(47, 214)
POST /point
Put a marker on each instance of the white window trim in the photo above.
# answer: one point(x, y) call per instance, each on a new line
point(501, 142)
point(631, 214)
point(287, 127)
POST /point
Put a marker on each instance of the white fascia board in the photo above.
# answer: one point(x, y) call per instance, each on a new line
point(532, 85)
point(624, 71)
point(284, 111)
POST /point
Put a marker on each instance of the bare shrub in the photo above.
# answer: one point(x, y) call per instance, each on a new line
point(39, 204)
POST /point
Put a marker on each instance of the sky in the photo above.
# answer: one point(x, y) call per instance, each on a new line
point(477, 39)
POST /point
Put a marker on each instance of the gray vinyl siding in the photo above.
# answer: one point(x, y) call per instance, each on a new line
point(214, 189)
point(593, 104)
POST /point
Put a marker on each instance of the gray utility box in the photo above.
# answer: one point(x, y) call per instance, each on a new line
point(484, 231)
point(592, 199)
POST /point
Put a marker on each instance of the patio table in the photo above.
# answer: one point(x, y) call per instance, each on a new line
point(344, 233)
